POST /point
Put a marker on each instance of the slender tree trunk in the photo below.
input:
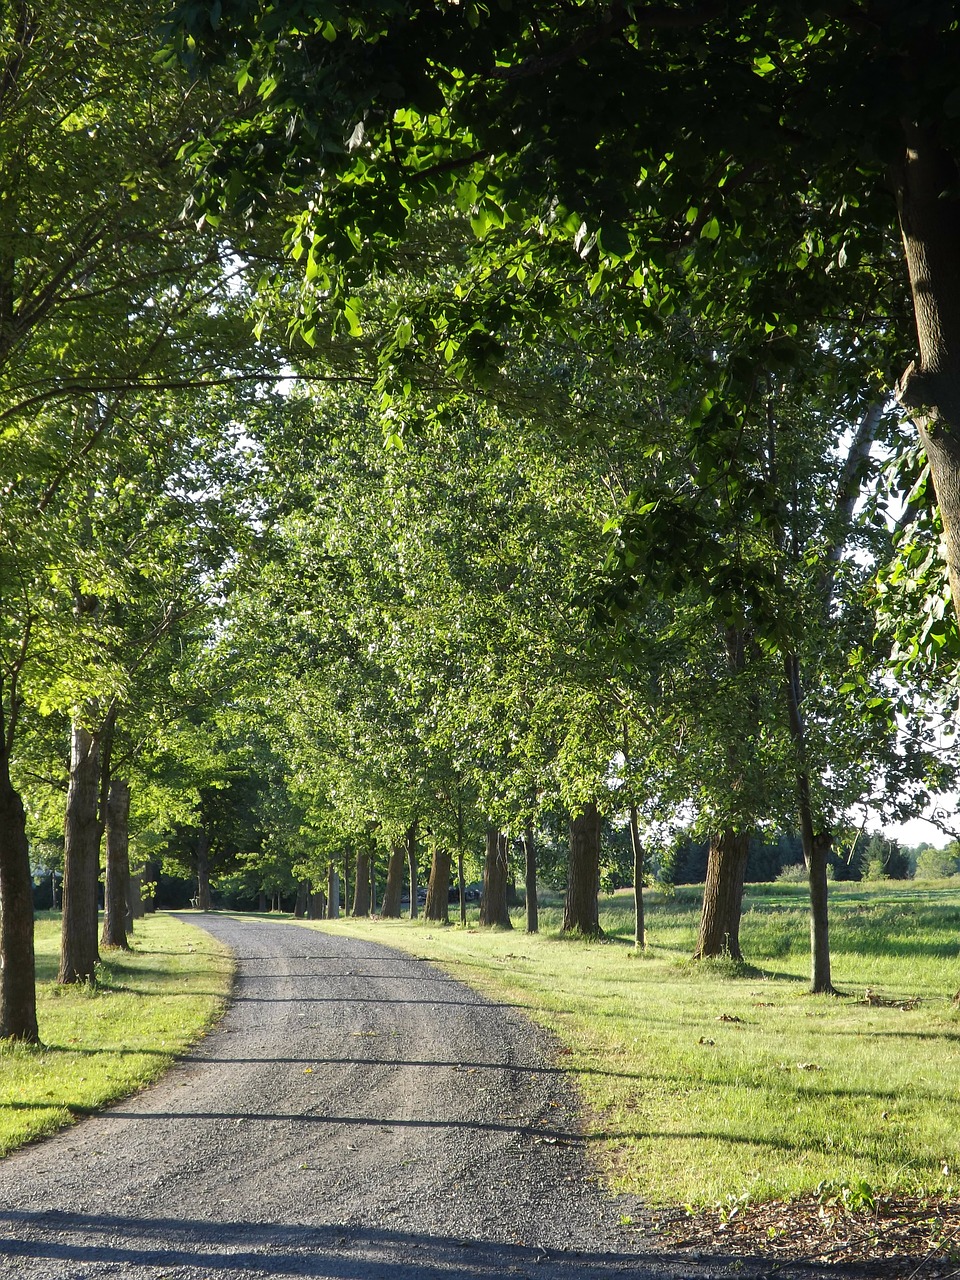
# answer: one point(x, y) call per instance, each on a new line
point(929, 203)
point(300, 905)
point(437, 906)
point(493, 905)
point(373, 878)
point(816, 847)
point(333, 892)
point(412, 868)
point(640, 929)
point(117, 885)
point(204, 901)
point(18, 998)
point(390, 909)
point(530, 880)
point(148, 899)
point(81, 861)
point(723, 896)
point(461, 880)
point(361, 888)
point(345, 882)
point(581, 912)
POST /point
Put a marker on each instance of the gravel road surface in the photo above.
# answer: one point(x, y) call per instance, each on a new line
point(356, 1115)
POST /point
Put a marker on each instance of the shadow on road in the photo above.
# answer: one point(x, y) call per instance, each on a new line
point(221, 1249)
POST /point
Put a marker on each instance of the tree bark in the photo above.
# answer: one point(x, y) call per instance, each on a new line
point(204, 901)
point(816, 847)
point(117, 883)
point(929, 207)
point(333, 892)
point(437, 906)
point(723, 896)
point(493, 904)
point(412, 868)
point(373, 878)
point(300, 904)
point(18, 998)
point(390, 909)
point(79, 953)
point(581, 912)
point(639, 928)
point(361, 887)
point(530, 880)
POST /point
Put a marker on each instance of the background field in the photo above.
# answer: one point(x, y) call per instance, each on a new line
point(706, 1084)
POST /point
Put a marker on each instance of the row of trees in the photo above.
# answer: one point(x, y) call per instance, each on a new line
point(646, 535)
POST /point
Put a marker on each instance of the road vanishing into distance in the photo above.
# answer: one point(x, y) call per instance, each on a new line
point(357, 1114)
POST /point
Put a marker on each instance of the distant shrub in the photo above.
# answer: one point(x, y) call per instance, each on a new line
point(796, 873)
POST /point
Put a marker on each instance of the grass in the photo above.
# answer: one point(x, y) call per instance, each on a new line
point(712, 1084)
point(104, 1042)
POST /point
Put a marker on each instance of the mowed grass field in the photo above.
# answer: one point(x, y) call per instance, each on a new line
point(101, 1043)
point(708, 1085)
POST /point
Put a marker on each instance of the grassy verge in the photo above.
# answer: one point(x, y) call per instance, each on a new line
point(104, 1042)
point(707, 1085)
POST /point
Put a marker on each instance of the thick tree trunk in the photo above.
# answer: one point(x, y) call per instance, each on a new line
point(581, 912)
point(117, 887)
point(134, 900)
point(81, 861)
point(204, 901)
point(18, 997)
point(929, 203)
point(373, 879)
point(390, 909)
point(723, 896)
point(493, 904)
point(640, 928)
point(437, 906)
point(530, 880)
point(300, 904)
point(317, 907)
point(361, 886)
point(333, 892)
point(412, 868)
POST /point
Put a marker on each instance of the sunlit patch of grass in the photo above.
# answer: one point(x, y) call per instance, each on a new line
point(105, 1041)
point(706, 1082)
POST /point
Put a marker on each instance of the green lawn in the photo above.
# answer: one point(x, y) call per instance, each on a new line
point(703, 1086)
point(102, 1043)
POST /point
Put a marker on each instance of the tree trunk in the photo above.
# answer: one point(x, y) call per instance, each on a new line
point(134, 900)
point(318, 905)
point(373, 878)
point(640, 929)
point(148, 899)
point(412, 868)
point(204, 902)
point(530, 880)
point(117, 888)
point(929, 206)
point(581, 912)
point(493, 904)
point(390, 909)
point(815, 847)
point(723, 896)
point(18, 997)
point(820, 977)
point(300, 905)
point(438, 888)
point(81, 861)
point(333, 892)
point(361, 888)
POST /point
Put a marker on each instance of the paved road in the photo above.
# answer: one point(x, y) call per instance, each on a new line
point(356, 1115)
